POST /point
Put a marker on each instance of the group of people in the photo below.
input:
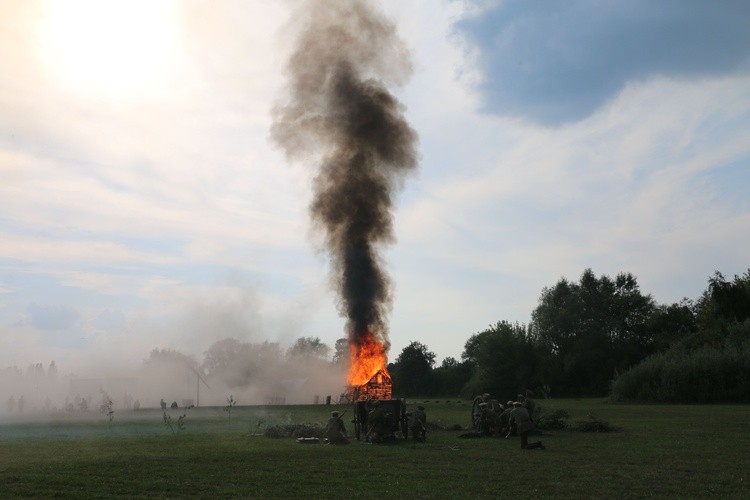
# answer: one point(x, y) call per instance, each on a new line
point(163, 404)
point(12, 404)
point(379, 425)
point(490, 418)
point(515, 417)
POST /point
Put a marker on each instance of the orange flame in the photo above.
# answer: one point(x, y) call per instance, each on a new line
point(367, 358)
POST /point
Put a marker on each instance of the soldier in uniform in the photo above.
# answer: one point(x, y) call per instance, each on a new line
point(520, 417)
point(504, 419)
point(418, 423)
point(530, 404)
point(379, 430)
point(335, 432)
point(488, 420)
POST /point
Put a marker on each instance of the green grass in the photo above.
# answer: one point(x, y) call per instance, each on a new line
point(662, 451)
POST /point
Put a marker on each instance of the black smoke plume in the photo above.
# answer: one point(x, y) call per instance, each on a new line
point(341, 117)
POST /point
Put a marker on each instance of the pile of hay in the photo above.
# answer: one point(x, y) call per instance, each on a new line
point(553, 420)
point(294, 431)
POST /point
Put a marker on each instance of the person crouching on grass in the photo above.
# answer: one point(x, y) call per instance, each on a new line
point(335, 432)
point(520, 416)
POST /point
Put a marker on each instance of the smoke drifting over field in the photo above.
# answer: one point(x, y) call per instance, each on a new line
point(340, 116)
point(253, 373)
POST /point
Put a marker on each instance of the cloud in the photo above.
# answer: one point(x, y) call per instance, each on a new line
point(555, 62)
point(111, 320)
point(652, 183)
point(52, 317)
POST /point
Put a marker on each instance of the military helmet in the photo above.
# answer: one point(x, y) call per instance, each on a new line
point(420, 407)
point(334, 414)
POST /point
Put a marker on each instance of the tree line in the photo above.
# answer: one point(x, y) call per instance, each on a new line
point(596, 336)
point(600, 336)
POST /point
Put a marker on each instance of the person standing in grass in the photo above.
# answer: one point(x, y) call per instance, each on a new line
point(530, 404)
point(418, 423)
point(335, 431)
point(520, 416)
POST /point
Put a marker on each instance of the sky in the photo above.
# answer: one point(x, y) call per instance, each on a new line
point(143, 204)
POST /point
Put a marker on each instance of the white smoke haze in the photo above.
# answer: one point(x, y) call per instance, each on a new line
point(251, 373)
point(193, 345)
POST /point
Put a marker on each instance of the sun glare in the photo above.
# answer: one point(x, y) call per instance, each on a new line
point(111, 47)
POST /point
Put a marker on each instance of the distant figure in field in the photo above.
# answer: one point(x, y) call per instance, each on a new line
point(418, 424)
point(520, 416)
point(530, 404)
point(21, 404)
point(335, 431)
point(11, 404)
point(163, 404)
point(476, 410)
point(504, 420)
point(174, 405)
point(488, 420)
point(137, 405)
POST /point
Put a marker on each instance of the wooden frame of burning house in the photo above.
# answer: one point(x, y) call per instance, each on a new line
point(380, 386)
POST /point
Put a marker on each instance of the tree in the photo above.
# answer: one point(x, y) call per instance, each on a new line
point(451, 376)
point(592, 329)
point(161, 358)
point(52, 371)
point(236, 363)
point(505, 361)
point(670, 324)
point(724, 302)
point(309, 347)
point(221, 355)
point(341, 352)
point(412, 371)
point(169, 373)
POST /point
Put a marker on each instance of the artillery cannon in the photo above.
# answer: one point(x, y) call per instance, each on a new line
point(394, 412)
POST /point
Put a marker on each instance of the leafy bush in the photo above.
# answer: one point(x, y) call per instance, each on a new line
point(707, 374)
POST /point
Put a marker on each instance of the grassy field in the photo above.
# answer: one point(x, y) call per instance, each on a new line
point(659, 451)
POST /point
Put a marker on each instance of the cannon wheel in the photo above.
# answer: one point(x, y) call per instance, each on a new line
point(475, 413)
point(357, 428)
point(360, 419)
point(404, 420)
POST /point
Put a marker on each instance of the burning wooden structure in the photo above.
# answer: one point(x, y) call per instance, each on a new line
point(380, 386)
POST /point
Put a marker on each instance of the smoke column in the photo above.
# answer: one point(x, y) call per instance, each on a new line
point(340, 114)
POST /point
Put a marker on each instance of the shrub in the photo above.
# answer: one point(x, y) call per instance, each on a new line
point(708, 374)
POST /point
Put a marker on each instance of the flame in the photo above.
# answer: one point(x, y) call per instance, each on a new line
point(367, 358)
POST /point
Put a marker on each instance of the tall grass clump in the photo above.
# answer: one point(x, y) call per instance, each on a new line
point(707, 374)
